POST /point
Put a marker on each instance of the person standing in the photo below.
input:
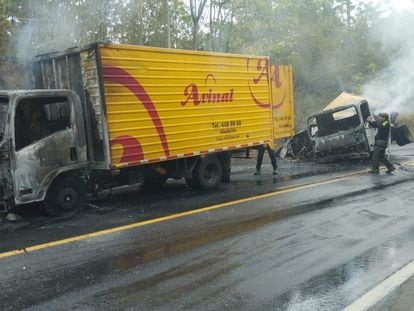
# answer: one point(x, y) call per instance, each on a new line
point(260, 155)
point(381, 142)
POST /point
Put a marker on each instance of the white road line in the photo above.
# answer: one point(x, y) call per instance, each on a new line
point(383, 289)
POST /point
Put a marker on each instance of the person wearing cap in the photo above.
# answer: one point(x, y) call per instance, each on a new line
point(381, 142)
point(260, 155)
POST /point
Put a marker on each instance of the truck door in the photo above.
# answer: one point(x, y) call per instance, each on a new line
point(369, 131)
point(48, 139)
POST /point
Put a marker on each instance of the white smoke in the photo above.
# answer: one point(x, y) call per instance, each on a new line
point(394, 86)
point(50, 27)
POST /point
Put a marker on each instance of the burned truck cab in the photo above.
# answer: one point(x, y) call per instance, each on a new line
point(341, 133)
point(42, 147)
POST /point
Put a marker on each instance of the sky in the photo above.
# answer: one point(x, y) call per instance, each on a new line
point(397, 4)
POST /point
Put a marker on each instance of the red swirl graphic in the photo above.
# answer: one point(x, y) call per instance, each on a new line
point(280, 103)
point(264, 72)
point(118, 75)
point(278, 83)
point(132, 149)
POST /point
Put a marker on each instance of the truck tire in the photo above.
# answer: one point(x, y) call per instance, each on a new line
point(65, 197)
point(207, 174)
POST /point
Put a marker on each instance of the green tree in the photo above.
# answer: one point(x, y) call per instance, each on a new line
point(196, 13)
point(326, 41)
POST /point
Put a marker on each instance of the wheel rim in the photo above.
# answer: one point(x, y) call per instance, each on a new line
point(211, 174)
point(67, 198)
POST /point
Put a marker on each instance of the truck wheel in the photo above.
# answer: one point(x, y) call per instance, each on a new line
point(207, 174)
point(65, 197)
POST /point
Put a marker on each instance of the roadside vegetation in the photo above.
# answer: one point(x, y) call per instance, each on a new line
point(333, 45)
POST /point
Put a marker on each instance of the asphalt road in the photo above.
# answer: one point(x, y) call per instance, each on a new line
point(312, 243)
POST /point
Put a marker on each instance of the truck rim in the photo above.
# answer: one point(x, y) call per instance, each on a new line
point(211, 173)
point(67, 198)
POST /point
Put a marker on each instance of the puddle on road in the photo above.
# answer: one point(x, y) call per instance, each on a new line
point(339, 287)
point(180, 241)
point(268, 179)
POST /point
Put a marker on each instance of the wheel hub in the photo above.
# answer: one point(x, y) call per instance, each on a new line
point(67, 198)
point(210, 173)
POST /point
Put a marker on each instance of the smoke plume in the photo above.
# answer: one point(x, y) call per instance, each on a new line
point(394, 86)
point(50, 27)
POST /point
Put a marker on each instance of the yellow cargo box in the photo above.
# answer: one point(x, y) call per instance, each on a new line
point(146, 105)
point(165, 104)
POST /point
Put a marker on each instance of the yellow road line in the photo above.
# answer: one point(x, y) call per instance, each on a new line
point(170, 217)
point(280, 191)
point(407, 163)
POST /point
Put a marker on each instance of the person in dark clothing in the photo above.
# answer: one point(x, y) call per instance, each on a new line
point(381, 142)
point(260, 155)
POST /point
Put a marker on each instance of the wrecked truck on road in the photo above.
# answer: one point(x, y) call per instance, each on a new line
point(103, 116)
point(341, 133)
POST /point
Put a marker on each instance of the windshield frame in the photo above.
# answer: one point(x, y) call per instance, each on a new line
point(314, 123)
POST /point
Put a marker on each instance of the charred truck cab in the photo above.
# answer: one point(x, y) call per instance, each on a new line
point(43, 148)
point(341, 133)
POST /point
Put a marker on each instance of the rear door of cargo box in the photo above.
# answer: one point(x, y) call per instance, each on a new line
point(281, 81)
point(165, 104)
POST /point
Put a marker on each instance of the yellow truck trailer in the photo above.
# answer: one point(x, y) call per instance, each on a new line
point(105, 115)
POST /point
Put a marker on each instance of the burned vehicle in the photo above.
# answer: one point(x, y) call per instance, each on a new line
point(103, 116)
point(341, 133)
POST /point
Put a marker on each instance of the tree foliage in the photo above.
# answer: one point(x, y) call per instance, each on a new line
point(326, 41)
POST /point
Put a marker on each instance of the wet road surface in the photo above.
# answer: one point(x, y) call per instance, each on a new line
point(311, 246)
point(129, 205)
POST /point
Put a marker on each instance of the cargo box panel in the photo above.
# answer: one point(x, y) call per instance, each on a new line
point(163, 104)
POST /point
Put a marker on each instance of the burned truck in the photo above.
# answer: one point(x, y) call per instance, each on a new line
point(105, 115)
point(342, 133)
